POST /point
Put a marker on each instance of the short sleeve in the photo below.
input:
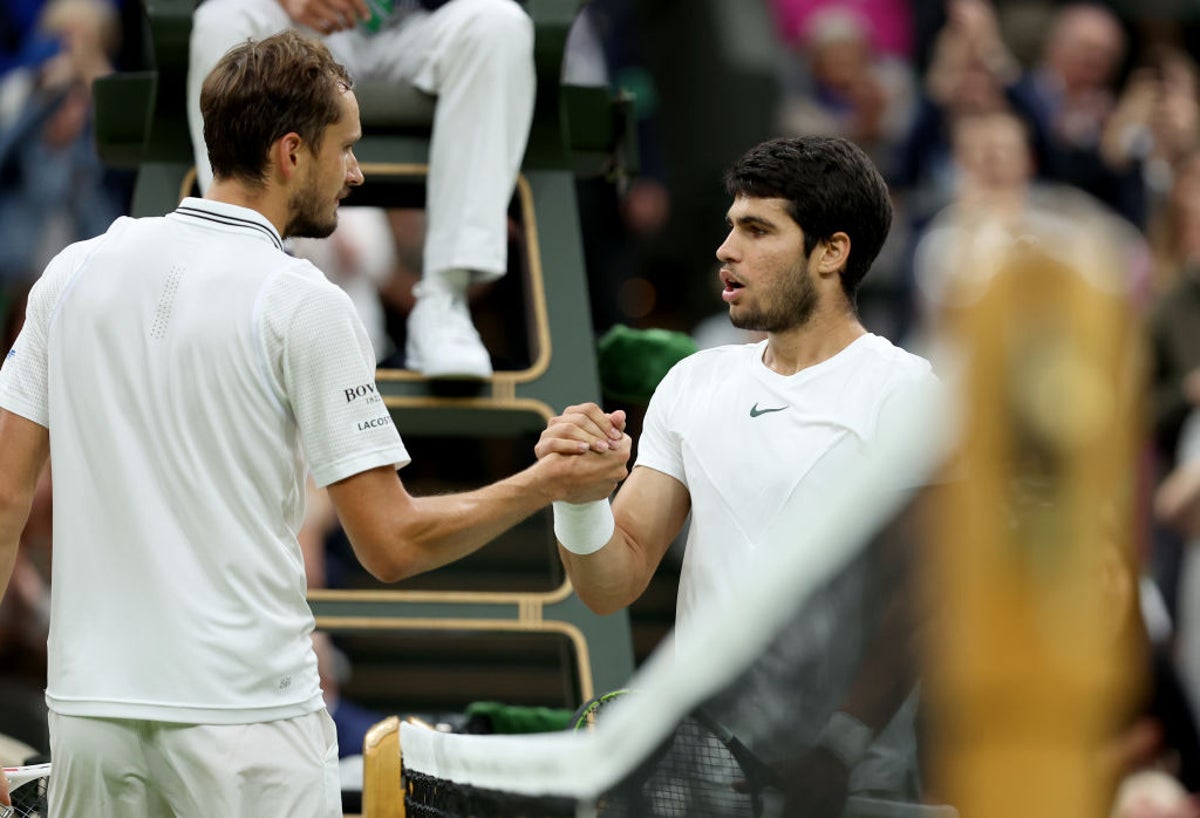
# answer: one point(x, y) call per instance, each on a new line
point(326, 370)
point(24, 376)
point(659, 446)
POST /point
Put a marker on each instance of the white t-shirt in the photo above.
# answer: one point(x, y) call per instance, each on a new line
point(749, 443)
point(746, 441)
point(188, 371)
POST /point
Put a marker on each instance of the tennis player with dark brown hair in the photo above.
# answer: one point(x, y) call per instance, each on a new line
point(183, 374)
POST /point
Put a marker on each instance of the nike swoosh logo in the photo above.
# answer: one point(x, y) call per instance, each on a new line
point(755, 411)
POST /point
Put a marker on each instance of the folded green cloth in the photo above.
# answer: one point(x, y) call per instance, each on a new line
point(633, 361)
point(495, 717)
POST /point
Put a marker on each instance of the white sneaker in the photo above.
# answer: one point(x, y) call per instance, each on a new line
point(442, 341)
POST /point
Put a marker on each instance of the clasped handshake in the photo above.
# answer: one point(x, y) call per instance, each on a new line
point(589, 450)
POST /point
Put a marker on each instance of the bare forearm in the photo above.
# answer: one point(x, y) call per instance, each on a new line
point(648, 513)
point(611, 578)
point(444, 528)
point(396, 535)
point(417, 534)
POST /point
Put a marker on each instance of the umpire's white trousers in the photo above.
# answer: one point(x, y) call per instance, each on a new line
point(475, 55)
point(117, 768)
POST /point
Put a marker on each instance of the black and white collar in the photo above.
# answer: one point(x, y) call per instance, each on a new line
point(241, 219)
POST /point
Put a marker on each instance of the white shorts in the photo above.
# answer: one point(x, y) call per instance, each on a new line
point(117, 768)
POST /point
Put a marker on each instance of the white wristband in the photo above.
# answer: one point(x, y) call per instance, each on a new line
point(846, 737)
point(583, 528)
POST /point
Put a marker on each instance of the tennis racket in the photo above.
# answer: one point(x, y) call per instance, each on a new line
point(589, 711)
point(28, 786)
point(759, 774)
point(700, 750)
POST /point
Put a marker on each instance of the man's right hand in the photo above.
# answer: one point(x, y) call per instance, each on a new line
point(592, 476)
point(326, 16)
point(580, 429)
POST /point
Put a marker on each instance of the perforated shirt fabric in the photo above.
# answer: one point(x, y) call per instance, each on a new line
point(190, 372)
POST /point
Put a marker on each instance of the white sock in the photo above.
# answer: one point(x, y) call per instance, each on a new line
point(447, 282)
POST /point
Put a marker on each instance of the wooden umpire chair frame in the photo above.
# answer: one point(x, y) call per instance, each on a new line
point(141, 122)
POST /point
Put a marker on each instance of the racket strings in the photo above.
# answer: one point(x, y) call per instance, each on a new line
point(29, 800)
point(693, 775)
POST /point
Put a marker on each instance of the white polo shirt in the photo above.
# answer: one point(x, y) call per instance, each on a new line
point(188, 371)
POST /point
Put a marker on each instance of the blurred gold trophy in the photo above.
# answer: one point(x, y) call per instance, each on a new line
point(1034, 654)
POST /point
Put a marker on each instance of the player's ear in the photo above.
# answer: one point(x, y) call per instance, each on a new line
point(832, 254)
point(287, 154)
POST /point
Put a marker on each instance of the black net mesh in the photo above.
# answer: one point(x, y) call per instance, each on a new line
point(692, 773)
point(428, 796)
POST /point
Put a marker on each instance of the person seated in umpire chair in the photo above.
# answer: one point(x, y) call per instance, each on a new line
point(476, 57)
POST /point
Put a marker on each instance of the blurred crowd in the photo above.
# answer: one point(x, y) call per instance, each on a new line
point(978, 113)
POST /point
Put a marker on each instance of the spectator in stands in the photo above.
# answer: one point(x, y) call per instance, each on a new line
point(1071, 91)
point(957, 83)
point(1174, 329)
point(1155, 122)
point(1155, 126)
point(925, 175)
point(1173, 231)
point(1175, 319)
point(53, 187)
point(843, 87)
point(21, 44)
point(994, 171)
point(997, 197)
point(477, 57)
point(888, 23)
point(1069, 97)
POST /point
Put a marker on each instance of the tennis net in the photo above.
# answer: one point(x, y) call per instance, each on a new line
point(705, 729)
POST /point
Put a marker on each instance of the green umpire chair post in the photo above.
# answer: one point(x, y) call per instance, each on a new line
point(141, 116)
point(141, 123)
